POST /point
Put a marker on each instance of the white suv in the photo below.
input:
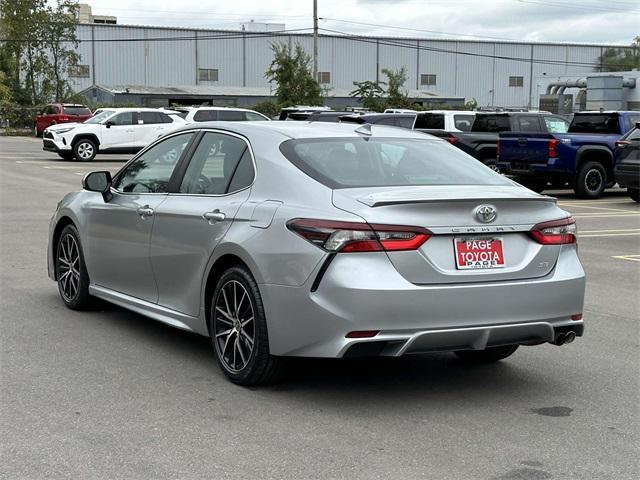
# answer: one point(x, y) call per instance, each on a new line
point(113, 130)
point(219, 114)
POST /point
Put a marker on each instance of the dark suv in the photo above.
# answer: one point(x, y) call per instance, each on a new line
point(627, 162)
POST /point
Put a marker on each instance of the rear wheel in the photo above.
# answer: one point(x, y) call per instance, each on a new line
point(239, 331)
point(85, 150)
point(591, 180)
point(489, 355)
point(634, 193)
point(71, 272)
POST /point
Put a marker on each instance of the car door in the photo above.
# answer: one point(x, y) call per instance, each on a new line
point(150, 126)
point(119, 231)
point(118, 131)
point(192, 221)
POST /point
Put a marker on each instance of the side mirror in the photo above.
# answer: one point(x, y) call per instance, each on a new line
point(98, 182)
point(108, 123)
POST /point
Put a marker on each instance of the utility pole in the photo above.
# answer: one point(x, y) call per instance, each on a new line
point(315, 40)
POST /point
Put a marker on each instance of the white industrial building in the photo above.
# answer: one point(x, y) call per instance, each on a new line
point(229, 66)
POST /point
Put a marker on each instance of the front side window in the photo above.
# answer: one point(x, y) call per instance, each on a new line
point(491, 123)
point(124, 118)
point(254, 117)
point(231, 116)
point(151, 171)
point(463, 122)
point(528, 123)
point(221, 164)
point(377, 162)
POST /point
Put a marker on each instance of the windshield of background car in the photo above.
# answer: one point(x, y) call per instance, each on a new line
point(375, 162)
point(597, 123)
point(491, 124)
point(99, 118)
point(77, 111)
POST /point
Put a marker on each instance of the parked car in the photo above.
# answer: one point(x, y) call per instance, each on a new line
point(583, 156)
point(441, 123)
point(627, 162)
point(402, 120)
point(56, 113)
point(300, 112)
point(116, 130)
point(384, 242)
point(481, 141)
point(399, 110)
point(221, 114)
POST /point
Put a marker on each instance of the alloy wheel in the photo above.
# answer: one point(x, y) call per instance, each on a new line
point(85, 150)
point(234, 326)
point(593, 180)
point(69, 266)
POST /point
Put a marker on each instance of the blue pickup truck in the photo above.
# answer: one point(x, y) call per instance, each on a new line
point(583, 157)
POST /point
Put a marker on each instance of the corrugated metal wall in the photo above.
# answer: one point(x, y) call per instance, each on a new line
point(472, 69)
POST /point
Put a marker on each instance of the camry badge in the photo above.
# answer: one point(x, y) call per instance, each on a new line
point(486, 213)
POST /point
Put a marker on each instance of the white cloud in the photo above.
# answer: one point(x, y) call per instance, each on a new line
point(588, 21)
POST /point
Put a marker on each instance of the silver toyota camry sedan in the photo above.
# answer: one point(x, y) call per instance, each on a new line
point(290, 239)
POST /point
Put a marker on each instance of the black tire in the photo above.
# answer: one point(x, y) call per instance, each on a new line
point(591, 180)
point(85, 150)
point(80, 299)
point(489, 355)
point(66, 155)
point(634, 193)
point(492, 163)
point(258, 367)
point(535, 184)
point(38, 132)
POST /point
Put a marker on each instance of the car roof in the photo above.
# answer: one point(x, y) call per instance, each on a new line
point(465, 112)
point(235, 109)
point(303, 129)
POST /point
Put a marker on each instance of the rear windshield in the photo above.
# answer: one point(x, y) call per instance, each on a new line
point(596, 123)
point(77, 110)
point(430, 120)
point(491, 123)
point(374, 162)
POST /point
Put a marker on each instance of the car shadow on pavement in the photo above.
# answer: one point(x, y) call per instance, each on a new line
point(345, 382)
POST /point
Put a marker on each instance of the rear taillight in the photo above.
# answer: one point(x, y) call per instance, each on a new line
point(64, 119)
point(553, 144)
point(350, 237)
point(557, 232)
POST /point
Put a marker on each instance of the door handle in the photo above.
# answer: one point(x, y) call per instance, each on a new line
point(145, 211)
point(215, 216)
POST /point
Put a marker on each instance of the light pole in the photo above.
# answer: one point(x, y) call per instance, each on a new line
point(315, 40)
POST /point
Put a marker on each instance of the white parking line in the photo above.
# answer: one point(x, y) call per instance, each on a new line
point(601, 208)
point(631, 258)
point(629, 234)
point(619, 230)
point(605, 215)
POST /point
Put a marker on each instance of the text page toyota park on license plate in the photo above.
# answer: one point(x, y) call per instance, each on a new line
point(474, 253)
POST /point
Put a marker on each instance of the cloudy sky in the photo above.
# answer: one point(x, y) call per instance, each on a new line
point(587, 21)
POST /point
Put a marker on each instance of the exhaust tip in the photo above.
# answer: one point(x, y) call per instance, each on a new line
point(570, 336)
point(560, 339)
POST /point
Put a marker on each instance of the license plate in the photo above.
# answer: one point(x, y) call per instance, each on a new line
point(478, 253)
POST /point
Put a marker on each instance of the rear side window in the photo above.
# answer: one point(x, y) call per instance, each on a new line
point(149, 117)
point(254, 117)
point(528, 123)
point(219, 165)
point(491, 124)
point(372, 162)
point(463, 122)
point(231, 116)
point(596, 123)
point(405, 122)
point(77, 111)
point(430, 120)
point(206, 116)
point(556, 125)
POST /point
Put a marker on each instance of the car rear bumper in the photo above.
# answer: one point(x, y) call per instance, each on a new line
point(552, 166)
point(364, 292)
point(627, 174)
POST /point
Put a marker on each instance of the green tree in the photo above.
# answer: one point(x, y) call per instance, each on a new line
point(290, 71)
point(369, 94)
point(621, 59)
point(59, 35)
point(5, 89)
point(397, 96)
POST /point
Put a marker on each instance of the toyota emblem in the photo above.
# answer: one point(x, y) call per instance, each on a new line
point(486, 213)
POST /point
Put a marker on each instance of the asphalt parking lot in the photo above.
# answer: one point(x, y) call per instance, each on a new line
point(110, 394)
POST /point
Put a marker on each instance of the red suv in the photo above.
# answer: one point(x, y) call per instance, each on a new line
point(60, 113)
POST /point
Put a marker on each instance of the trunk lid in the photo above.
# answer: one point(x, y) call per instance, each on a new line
point(449, 212)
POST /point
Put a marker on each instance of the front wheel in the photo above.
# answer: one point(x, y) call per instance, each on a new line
point(591, 180)
point(239, 331)
point(85, 150)
point(489, 355)
point(634, 193)
point(71, 272)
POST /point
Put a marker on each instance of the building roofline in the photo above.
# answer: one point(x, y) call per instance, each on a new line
point(355, 36)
